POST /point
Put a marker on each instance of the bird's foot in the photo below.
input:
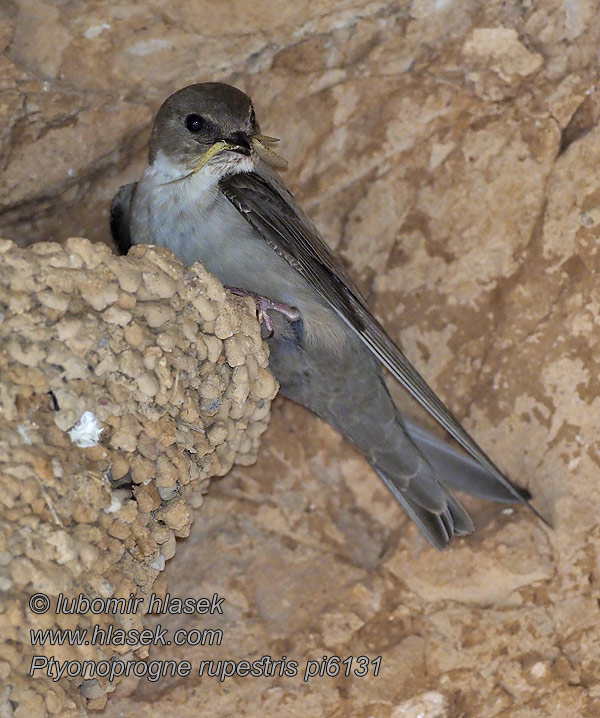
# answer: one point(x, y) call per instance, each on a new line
point(264, 305)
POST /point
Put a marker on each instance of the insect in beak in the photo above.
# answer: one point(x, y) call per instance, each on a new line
point(265, 153)
point(211, 152)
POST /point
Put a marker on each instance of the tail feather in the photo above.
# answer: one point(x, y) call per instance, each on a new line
point(438, 527)
point(459, 471)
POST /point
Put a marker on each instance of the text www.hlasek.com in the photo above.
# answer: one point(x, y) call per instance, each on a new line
point(113, 636)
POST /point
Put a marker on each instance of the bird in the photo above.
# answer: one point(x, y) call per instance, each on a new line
point(211, 193)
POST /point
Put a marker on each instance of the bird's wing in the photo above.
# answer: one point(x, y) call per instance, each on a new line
point(119, 217)
point(264, 201)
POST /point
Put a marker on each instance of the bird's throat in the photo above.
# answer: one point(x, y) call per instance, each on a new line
point(210, 153)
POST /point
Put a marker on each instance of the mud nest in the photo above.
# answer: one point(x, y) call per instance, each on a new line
point(170, 372)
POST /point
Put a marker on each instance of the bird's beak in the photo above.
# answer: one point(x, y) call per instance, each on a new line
point(238, 142)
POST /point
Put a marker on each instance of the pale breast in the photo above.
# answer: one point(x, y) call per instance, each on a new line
point(198, 223)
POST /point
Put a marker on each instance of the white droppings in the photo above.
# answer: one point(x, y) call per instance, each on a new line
point(86, 431)
point(115, 504)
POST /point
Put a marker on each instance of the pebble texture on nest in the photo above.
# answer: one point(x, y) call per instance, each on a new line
point(175, 370)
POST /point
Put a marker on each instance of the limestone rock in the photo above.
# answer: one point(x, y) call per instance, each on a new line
point(449, 151)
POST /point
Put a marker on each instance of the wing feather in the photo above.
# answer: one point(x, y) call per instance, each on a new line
point(265, 202)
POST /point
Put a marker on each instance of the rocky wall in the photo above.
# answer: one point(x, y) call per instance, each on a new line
point(449, 150)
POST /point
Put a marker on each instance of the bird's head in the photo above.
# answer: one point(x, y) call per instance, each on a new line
point(210, 124)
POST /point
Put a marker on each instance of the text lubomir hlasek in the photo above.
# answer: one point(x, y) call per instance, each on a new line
point(169, 604)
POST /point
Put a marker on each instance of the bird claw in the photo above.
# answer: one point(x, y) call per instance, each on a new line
point(264, 305)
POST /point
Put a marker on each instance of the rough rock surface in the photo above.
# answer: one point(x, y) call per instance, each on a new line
point(449, 149)
point(173, 369)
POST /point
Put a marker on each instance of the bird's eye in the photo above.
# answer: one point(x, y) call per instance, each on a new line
point(194, 123)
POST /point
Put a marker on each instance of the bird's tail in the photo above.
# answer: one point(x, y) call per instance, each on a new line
point(438, 524)
point(459, 471)
point(420, 469)
point(377, 429)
